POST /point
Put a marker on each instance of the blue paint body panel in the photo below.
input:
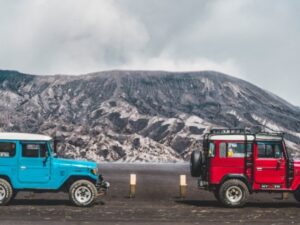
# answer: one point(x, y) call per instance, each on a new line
point(42, 173)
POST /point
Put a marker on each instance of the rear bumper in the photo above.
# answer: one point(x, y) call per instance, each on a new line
point(202, 184)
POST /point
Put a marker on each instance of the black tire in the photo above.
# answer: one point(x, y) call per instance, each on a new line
point(6, 192)
point(297, 195)
point(83, 193)
point(196, 163)
point(233, 193)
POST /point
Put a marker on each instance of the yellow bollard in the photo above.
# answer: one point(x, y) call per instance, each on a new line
point(182, 186)
point(132, 185)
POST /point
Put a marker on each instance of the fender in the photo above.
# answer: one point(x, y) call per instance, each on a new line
point(241, 177)
point(65, 186)
point(5, 177)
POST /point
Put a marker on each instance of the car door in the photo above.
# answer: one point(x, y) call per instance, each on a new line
point(270, 165)
point(34, 164)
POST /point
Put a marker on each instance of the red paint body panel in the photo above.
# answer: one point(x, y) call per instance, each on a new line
point(220, 167)
point(261, 173)
point(296, 181)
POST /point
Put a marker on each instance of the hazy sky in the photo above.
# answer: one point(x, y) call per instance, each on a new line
point(255, 40)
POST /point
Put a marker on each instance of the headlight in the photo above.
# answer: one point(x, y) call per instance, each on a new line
point(94, 171)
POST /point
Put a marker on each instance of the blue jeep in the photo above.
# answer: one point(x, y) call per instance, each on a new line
point(29, 162)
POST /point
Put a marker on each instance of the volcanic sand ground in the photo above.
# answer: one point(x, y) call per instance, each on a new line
point(156, 202)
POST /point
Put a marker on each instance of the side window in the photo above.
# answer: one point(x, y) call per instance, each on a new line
point(7, 149)
point(34, 150)
point(249, 150)
point(43, 150)
point(222, 149)
point(269, 150)
point(235, 150)
point(278, 151)
point(211, 150)
point(261, 150)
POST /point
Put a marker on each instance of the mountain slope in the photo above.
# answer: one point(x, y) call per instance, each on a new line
point(139, 115)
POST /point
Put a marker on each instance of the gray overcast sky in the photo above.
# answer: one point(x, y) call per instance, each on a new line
point(257, 40)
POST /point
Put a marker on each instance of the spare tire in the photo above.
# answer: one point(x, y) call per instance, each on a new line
point(196, 163)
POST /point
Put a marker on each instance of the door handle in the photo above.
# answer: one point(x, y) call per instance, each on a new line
point(259, 168)
point(23, 167)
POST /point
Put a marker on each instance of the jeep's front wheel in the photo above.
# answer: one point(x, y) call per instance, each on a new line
point(83, 193)
point(233, 193)
point(6, 192)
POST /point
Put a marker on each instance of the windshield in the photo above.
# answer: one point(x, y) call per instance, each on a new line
point(51, 148)
point(290, 154)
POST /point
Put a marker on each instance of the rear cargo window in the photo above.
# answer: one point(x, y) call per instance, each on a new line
point(211, 150)
point(235, 150)
point(7, 149)
point(223, 150)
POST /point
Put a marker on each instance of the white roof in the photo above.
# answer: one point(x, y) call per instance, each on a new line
point(24, 137)
point(231, 137)
point(262, 137)
point(259, 137)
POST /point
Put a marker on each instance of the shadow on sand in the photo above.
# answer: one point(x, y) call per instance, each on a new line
point(214, 203)
point(47, 202)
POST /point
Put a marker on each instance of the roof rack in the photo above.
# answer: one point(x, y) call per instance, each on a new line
point(274, 134)
point(246, 131)
point(230, 131)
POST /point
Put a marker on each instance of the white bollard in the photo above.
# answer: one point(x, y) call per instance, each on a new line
point(132, 185)
point(182, 186)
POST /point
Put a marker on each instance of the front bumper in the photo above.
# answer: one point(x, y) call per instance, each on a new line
point(102, 186)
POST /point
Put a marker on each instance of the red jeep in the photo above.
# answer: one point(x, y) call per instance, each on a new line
point(235, 163)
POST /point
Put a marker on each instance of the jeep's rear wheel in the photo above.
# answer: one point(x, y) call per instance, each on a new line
point(233, 193)
point(83, 193)
point(196, 163)
point(6, 192)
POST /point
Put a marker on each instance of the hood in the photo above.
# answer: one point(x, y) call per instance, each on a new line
point(75, 163)
point(297, 162)
point(297, 167)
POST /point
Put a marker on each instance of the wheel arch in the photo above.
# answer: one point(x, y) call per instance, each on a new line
point(66, 185)
point(240, 177)
point(5, 177)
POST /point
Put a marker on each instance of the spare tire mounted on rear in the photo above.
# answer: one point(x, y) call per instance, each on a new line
point(196, 163)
